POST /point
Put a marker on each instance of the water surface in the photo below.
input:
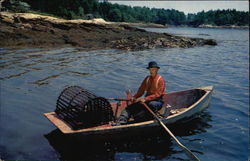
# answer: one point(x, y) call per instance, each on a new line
point(32, 79)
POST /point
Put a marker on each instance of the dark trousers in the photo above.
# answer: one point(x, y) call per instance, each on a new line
point(139, 112)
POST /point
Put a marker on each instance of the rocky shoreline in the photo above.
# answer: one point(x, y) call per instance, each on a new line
point(223, 27)
point(26, 30)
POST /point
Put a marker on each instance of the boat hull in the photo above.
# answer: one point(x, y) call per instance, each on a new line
point(189, 98)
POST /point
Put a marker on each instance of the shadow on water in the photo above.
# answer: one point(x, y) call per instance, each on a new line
point(70, 148)
point(153, 144)
point(195, 125)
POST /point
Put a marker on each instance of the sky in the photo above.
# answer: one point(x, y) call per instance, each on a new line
point(192, 6)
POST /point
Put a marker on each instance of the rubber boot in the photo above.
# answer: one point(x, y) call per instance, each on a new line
point(123, 119)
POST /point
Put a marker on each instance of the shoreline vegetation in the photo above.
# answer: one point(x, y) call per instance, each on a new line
point(28, 30)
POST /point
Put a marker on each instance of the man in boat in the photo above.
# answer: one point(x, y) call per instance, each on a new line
point(154, 87)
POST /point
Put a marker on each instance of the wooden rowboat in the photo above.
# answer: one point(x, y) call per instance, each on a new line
point(186, 104)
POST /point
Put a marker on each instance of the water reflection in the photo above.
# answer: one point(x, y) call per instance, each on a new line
point(195, 125)
point(154, 145)
point(70, 148)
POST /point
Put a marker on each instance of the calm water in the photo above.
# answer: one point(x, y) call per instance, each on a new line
point(31, 80)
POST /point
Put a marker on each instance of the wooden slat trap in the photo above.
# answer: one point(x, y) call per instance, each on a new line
point(81, 108)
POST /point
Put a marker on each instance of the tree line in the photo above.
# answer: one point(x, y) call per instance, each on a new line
point(219, 18)
point(87, 9)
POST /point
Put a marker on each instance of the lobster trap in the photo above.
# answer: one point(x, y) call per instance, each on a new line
point(81, 108)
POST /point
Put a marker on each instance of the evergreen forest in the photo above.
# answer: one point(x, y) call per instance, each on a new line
point(87, 9)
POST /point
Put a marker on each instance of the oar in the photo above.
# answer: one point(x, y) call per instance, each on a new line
point(119, 99)
point(186, 150)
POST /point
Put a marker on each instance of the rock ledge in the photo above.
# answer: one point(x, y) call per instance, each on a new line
point(32, 30)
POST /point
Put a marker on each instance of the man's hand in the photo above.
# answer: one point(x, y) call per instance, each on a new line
point(140, 100)
point(133, 99)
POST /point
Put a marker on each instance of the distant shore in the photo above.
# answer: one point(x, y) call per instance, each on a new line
point(228, 27)
point(27, 30)
point(211, 26)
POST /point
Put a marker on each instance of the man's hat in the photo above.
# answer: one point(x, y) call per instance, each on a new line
point(152, 64)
